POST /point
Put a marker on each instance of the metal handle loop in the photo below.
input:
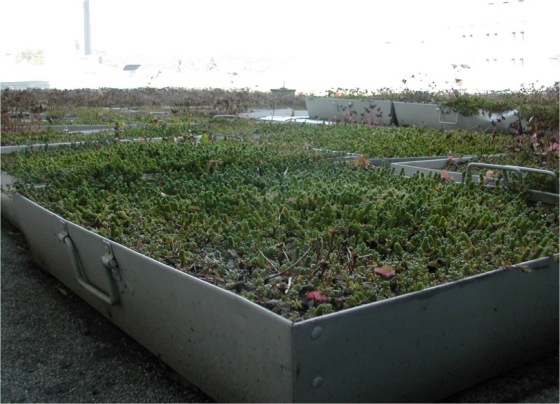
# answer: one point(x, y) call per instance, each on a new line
point(516, 169)
point(109, 265)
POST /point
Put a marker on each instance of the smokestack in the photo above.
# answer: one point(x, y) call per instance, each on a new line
point(87, 29)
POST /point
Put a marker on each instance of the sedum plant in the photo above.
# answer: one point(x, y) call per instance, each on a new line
point(295, 230)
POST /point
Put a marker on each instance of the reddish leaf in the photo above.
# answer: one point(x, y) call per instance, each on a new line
point(489, 178)
point(360, 161)
point(445, 176)
point(317, 296)
point(385, 271)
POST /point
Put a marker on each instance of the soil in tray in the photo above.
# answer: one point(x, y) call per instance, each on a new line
point(295, 231)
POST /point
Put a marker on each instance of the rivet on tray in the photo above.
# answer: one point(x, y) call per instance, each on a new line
point(317, 382)
point(316, 333)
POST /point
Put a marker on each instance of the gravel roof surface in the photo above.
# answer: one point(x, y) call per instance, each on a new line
point(57, 348)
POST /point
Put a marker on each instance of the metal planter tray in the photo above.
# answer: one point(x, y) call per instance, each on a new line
point(434, 166)
point(45, 146)
point(79, 128)
point(85, 129)
point(434, 116)
point(423, 346)
point(388, 113)
point(373, 112)
point(6, 200)
point(19, 148)
point(385, 162)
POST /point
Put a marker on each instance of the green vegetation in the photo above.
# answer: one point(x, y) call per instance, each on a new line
point(49, 136)
point(540, 103)
point(22, 108)
point(295, 230)
point(371, 141)
point(274, 212)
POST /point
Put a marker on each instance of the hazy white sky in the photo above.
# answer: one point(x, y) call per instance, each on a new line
point(324, 34)
point(214, 26)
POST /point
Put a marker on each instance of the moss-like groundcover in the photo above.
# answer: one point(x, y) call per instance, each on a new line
point(295, 230)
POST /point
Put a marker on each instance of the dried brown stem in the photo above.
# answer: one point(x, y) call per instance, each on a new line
point(290, 267)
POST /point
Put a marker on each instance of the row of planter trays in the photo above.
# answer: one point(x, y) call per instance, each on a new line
point(409, 166)
point(421, 346)
point(387, 113)
point(73, 128)
point(438, 166)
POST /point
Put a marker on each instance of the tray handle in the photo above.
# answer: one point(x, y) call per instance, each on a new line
point(109, 264)
point(516, 169)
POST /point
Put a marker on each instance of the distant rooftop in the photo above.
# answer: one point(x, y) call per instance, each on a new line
point(131, 68)
point(22, 85)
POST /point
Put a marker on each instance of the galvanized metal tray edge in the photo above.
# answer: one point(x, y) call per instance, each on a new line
point(427, 345)
point(435, 166)
point(229, 347)
point(292, 363)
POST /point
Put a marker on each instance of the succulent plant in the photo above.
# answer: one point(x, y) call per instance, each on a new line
point(269, 219)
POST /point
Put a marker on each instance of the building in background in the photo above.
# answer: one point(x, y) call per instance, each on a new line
point(502, 44)
point(87, 29)
point(475, 45)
